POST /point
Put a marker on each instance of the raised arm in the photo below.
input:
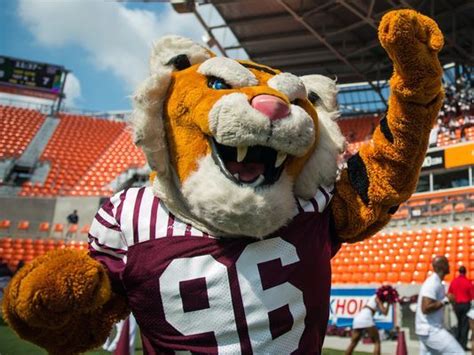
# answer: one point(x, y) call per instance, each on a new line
point(385, 171)
point(382, 306)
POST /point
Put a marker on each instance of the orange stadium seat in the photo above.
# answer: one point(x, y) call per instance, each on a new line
point(85, 229)
point(44, 227)
point(17, 128)
point(5, 224)
point(73, 229)
point(408, 255)
point(86, 154)
point(23, 225)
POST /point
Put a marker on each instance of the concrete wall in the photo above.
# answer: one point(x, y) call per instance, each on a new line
point(52, 210)
point(86, 209)
point(34, 210)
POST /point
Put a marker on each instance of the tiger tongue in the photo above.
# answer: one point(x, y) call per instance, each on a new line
point(248, 172)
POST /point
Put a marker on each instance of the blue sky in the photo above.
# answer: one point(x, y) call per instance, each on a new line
point(104, 43)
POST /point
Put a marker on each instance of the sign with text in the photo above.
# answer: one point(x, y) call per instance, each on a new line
point(346, 303)
point(433, 160)
point(26, 77)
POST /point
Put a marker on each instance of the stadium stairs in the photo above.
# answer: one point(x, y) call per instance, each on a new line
point(24, 167)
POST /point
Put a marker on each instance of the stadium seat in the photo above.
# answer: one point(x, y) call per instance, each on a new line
point(18, 126)
point(85, 229)
point(23, 225)
point(58, 228)
point(5, 224)
point(102, 150)
point(44, 227)
point(410, 262)
point(392, 277)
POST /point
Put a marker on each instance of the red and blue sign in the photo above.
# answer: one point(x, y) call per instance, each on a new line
point(346, 303)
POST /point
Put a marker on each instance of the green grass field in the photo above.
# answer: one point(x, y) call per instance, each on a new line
point(10, 344)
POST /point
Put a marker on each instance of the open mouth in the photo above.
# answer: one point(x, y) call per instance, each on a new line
point(250, 166)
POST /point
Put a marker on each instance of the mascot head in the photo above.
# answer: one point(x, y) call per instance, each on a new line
point(233, 142)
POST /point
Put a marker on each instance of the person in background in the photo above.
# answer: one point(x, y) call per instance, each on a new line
point(72, 219)
point(364, 320)
point(461, 288)
point(429, 318)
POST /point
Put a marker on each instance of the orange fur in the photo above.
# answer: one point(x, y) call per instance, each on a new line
point(412, 42)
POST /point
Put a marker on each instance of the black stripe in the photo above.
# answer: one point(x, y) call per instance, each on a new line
point(358, 177)
point(257, 67)
point(393, 209)
point(386, 129)
point(180, 62)
point(313, 97)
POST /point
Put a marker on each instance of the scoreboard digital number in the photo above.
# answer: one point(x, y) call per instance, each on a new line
point(25, 74)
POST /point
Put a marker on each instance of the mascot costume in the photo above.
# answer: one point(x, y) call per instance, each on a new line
point(229, 250)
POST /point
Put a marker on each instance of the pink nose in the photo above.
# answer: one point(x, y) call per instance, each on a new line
point(271, 106)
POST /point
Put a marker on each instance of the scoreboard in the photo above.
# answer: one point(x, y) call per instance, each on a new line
point(31, 78)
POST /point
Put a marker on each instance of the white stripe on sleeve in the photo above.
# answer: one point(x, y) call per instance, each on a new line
point(100, 249)
point(161, 225)
point(126, 218)
point(144, 219)
point(106, 236)
point(306, 205)
point(107, 217)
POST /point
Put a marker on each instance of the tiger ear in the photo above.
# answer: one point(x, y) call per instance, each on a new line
point(177, 53)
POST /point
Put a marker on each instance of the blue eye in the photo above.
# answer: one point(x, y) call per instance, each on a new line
point(217, 83)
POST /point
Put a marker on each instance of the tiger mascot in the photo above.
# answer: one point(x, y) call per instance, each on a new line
point(229, 250)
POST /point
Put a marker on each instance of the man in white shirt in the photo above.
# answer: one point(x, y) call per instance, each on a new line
point(429, 321)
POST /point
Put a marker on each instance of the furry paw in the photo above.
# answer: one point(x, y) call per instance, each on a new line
point(55, 288)
point(412, 41)
point(407, 28)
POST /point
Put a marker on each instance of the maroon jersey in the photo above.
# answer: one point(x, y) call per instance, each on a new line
point(196, 293)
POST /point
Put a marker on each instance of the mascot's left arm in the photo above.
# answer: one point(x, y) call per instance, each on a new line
point(385, 171)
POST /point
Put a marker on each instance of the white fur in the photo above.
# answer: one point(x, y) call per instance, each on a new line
point(234, 122)
point(288, 84)
point(147, 120)
point(238, 210)
point(321, 168)
point(170, 46)
point(295, 134)
point(232, 72)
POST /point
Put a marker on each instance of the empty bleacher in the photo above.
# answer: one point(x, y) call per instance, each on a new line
point(403, 257)
point(437, 207)
point(12, 251)
point(85, 154)
point(18, 126)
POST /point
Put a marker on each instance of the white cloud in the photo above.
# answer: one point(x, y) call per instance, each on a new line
point(115, 37)
point(72, 90)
